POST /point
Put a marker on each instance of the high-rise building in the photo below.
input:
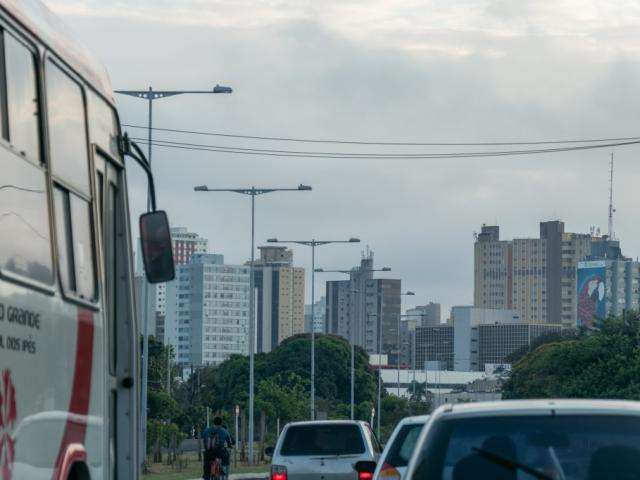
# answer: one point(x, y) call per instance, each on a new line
point(606, 287)
point(280, 297)
point(535, 276)
point(184, 244)
point(492, 269)
point(427, 315)
point(434, 344)
point(207, 311)
point(529, 279)
point(357, 308)
point(316, 316)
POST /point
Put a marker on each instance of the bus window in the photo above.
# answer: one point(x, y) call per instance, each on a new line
point(103, 126)
point(22, 98)
point(75, 244)
point(67, 129)
point(25, 247)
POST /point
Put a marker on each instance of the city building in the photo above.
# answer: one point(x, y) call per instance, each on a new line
point(185, 244)
point(492, 270)
point(427, 315)
point(364, 308)
point(438, 382)
point(535, 276)
point(207, 310)
point(434, 344)
point(487, 336)
point(497, 342)
point(280, 297)
point(316, 316)
point(606, 287)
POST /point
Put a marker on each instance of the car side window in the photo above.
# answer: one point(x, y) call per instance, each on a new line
point(25, 243)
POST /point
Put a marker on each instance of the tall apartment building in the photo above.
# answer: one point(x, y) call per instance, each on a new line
point(529, 279)
point(492, 269)
point(280, 297)
point(427, 315)
point(535, 276)
point(185, 244)
point(207, 311)
point(357, 308)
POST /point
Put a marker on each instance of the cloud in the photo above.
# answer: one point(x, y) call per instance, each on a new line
point(437, 70)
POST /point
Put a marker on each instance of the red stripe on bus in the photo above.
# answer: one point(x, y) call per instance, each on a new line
point(72, 445)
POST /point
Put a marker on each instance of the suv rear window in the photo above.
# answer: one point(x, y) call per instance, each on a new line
point(402, 447)
point(571, 447)
point(322, 440)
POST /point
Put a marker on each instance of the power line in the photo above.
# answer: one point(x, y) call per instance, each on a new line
point(362, 142)
point(390, 156)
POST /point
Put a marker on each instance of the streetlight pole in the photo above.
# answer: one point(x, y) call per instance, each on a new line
point(150, 95)
point(398, 349)
point(313, 244)
point(252, 192)
point(351, 331)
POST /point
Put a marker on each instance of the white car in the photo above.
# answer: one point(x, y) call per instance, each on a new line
point(397, 452)
point(530, 439)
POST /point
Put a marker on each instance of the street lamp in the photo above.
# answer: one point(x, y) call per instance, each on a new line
point(313, 244)
point(398, 349)
point(352, 330)
point(253, 192)
point(150, 95)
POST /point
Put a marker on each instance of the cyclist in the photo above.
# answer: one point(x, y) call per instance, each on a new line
point(216, 440)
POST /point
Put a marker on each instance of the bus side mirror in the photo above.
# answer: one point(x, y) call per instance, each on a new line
point(157, 251)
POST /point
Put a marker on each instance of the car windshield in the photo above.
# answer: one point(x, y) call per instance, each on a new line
point(529, 447)
point(402, 447)
point(318, 440)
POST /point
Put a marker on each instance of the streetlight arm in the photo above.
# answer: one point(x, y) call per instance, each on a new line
point(252, 190)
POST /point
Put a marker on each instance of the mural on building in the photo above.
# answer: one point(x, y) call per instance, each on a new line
point(591, 293)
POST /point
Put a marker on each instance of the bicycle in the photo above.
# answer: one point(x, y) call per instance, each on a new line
point(218, 471)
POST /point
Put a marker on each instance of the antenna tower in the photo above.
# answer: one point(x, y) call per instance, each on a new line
point(611, 208)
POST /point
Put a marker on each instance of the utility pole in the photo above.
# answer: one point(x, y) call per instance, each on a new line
point(151, 95)
point(252, 192)
point(313, 244)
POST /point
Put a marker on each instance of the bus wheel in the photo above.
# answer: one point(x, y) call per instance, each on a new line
point(79, 471)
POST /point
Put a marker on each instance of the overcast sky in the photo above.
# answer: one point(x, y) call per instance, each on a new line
point(439, 70)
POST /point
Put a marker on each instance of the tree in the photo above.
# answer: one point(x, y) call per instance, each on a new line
point(604, 364)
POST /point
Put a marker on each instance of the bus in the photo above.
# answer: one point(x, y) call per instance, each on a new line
point(69, 373)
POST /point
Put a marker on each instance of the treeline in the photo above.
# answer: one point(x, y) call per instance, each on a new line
point(281, 390)
point(601, 363)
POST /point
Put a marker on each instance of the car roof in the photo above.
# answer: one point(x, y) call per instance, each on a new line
point(416, 419)
point(325, 422)
point(533, 407)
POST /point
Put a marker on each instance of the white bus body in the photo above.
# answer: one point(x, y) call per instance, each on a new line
point(68, 363)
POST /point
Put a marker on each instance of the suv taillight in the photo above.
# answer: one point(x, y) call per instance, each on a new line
point(365, 475)
point(279, 472)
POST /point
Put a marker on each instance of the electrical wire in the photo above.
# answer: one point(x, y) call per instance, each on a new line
point(362, 142)
point(390, 156)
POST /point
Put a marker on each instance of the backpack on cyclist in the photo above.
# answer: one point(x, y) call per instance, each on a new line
point(213, 441)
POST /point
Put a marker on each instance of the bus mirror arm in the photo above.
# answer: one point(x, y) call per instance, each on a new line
point(131, 149)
